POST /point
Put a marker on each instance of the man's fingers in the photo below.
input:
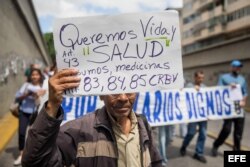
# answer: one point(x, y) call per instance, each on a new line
point(69, 85)
point(66, 72)
point(61, 87)
point(233, 85)
point(69, 79)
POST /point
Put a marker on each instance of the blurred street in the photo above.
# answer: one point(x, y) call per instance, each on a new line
point(214, 128)
point(8, 155)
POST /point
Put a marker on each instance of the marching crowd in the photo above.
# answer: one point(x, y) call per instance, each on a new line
point(232, 78)
point(88, 141)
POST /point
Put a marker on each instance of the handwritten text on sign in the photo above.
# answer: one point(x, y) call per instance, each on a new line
point(167, 106)
point(124, 53)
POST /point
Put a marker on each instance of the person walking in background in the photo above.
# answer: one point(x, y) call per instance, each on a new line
point(164, 140)
point(44, 97)
point(46, 71)
point(233, 78)
point(191, 130)
point(183, 126)
point(29, 96)
point(183, 129)
point(29, 69)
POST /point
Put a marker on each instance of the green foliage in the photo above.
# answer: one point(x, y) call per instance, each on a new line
point(48, 37)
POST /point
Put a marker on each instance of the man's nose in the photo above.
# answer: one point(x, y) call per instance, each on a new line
point(123, 97)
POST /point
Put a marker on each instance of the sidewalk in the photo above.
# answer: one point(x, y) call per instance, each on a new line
point(176, 160)
point(10, 153)
point(9, 149)
point(215, 126)
point(8, 127)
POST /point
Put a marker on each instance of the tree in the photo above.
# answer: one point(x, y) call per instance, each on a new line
point(48, 37)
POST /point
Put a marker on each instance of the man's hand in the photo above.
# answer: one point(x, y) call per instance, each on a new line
point(242, 103)
point(58, 83)
point(233, 85)
point(197, 87)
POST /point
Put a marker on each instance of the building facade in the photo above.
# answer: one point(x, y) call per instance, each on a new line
point(21, 43)
point(214, 32)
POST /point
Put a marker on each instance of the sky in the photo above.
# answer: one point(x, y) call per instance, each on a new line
point(48, 10)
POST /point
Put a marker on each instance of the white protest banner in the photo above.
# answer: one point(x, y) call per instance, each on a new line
point(167, 106)
point(123, 53)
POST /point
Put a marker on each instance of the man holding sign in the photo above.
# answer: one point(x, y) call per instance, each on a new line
point(199, 150)
point(233, 79)
point(110, 136)
point(113, 57)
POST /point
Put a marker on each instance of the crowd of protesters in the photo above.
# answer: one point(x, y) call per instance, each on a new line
point(36, 88)
point(232, 78)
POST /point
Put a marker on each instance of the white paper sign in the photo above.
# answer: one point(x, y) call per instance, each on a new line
point(121, 54)
point(236, 93)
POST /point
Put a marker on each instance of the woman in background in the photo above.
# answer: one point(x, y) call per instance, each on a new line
point(29, 96)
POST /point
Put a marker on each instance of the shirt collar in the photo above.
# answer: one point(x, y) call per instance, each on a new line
point(131, 115)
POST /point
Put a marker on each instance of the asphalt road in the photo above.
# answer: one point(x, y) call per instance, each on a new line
point(214, 127)
point(175, 160)
point(10, 152)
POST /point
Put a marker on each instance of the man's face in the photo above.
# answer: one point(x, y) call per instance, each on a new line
point(236, 70)
point(199, 78)
point(119, 105)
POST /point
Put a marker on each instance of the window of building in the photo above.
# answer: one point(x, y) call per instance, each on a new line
point(248, 10)
point(238, 14)
point(187, 33)
point(211, 29)
point(230, 17)
point(197, 33)
point(203, 44)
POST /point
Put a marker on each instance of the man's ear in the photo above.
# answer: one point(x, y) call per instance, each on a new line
point(101, 97)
